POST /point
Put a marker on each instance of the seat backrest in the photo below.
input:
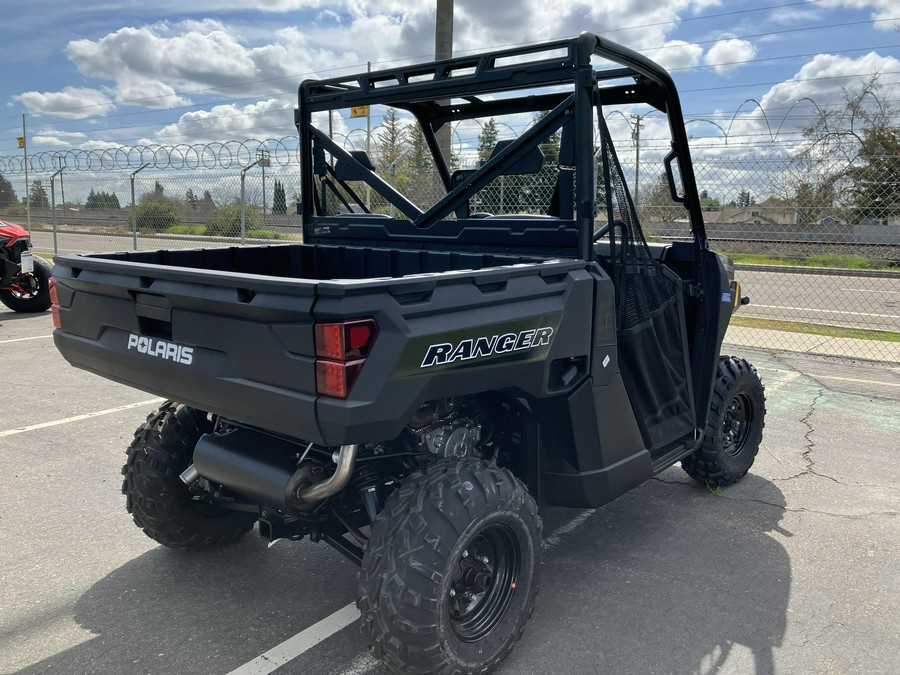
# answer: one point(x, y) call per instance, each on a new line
point(347, 170)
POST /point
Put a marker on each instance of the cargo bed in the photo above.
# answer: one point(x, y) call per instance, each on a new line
point(230, 330)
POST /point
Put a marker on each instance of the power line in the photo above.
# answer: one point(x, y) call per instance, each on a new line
point(614, 30)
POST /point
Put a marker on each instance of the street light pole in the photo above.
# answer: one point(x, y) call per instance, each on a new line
point(53, 205)
point(133, 216)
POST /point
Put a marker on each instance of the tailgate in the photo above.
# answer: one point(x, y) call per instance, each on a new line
point(237, 345)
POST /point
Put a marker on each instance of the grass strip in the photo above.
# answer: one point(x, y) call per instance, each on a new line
point(816, 329)
point(829, 260)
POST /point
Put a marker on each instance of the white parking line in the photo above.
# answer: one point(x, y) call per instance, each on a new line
point(303, 641)
point(784, 377)
point(553, 539)
point(36, 337)
point(78, 418)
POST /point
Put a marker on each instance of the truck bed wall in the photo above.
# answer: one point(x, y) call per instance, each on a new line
point(318, 262)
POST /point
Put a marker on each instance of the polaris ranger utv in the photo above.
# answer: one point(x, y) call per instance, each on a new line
point(415, 377)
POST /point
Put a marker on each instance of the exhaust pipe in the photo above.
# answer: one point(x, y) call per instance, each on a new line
point(345, 460)
point(254, 465)
point(190, 475)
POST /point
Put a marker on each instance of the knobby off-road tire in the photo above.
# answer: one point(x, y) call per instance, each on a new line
point(451, 570)
point(734, 426)
point(158, 500)
point(37, 301)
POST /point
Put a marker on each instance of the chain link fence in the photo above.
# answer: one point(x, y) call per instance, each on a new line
point(817, 245)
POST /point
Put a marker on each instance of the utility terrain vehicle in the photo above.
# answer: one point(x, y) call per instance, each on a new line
point(24, 277)
point(426, 367)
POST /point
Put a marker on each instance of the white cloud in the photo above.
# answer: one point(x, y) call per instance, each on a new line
point(677, 54)
point(728, 54)
point(71, 103)
point(99, 145)
point(824, 80)
point(791, 105)
point(212, 58)
point(881, 10)
point(53, 137)
point(267, 119)
point(149, 94)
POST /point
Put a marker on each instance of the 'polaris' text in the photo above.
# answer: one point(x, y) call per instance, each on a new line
point(161, 349)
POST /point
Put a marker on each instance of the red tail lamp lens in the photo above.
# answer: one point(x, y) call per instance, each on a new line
point(54, 303)
point(346, 340)
point(336, 379)
point(342, 349)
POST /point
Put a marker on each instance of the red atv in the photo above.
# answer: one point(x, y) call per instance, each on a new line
point(24, 277)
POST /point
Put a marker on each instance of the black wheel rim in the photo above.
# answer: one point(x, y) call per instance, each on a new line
point(485, 576)
point(736, 424)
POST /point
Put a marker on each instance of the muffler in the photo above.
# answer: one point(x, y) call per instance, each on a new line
point(264, 468)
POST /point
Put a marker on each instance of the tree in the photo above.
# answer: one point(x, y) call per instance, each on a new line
point(419, 166)
point(37, 196)
point(191, 199)
point(487, 140)
point(157, 191)
point(858, 143)
point(708, 203)
point(876, 176)
point(657, 204)
point(225, 221)
point(206, 203)
point(279, 200)
point(8, 195)
point(812, 200)
point(549, 147)
point(745, 199)
point(101, 200)
point(389, 144)
point(158, 215)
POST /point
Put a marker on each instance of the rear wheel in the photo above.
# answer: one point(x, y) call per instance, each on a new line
point(451, 571)
point(33, 292)
point(733, 427)
point(160, 503)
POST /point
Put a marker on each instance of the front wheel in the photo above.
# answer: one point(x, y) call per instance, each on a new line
point(450, 574)
point(33, 292)
point(734, 426)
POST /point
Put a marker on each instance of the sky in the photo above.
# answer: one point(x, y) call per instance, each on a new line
point(108, 73)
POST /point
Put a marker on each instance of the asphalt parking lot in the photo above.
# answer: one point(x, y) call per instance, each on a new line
point(794, 570)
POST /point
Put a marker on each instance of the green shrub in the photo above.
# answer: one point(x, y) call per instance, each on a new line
point(263, 234)
point(853, 262)
point(158, 215)
point(198, 230)
point(225, 221)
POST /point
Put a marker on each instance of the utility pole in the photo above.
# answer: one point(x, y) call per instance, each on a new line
point(443, 49)
point(27, 195)
point(636, 137)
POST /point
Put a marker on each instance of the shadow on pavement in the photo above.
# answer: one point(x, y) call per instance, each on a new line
point(668, 579)
point(173, 611)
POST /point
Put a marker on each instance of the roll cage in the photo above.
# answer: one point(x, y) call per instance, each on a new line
point(556, 79)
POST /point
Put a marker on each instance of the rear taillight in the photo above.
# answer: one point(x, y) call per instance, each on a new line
point(54, 303)
point(341, 351)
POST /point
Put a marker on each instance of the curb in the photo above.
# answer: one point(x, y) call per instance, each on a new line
point(828, 271)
